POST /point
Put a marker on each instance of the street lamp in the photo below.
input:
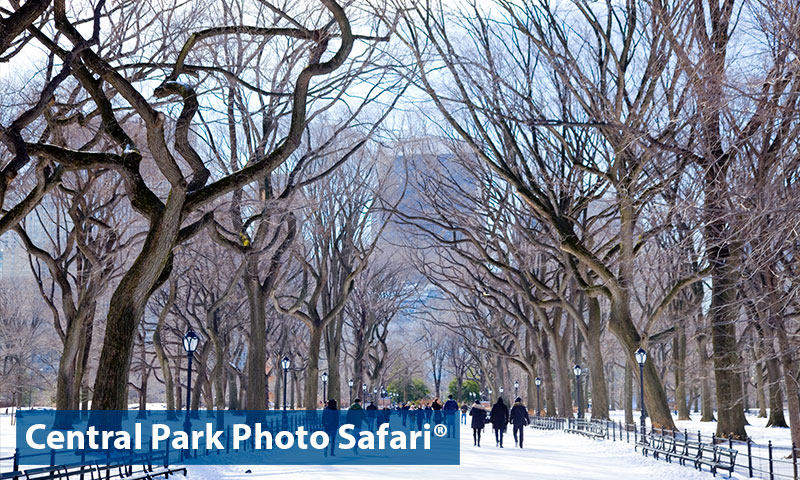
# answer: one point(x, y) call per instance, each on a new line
point(374, 394)
point(516, 388)
point(501, 391)
point(577, 370)
point(285, 363)
point(364, 390)
point(490, 395)
point(641, 358)
point(324, 387)
point(538, 382)
point(190, 341)
point(350, 384)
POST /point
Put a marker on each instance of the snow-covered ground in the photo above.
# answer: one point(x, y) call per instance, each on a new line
point(547, 455)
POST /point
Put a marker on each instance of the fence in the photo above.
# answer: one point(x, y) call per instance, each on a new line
point(755, 459)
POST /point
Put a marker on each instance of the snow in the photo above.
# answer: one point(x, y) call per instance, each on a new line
point(547, 455)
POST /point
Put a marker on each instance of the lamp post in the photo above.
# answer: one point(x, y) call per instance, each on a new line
point(538, 382)
point(190, 341)
point(501, 392)
point(285, 364)
point(364, 389)
point(374, 394)
point(641, 358)
point(324, 387)
point(577, 370)
point(350, 384)
point(490, 395)
point(516, 388)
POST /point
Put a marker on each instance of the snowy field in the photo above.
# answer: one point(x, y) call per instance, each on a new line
point(547, 455)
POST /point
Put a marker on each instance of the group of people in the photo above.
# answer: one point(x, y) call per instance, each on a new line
point(500, 416)
point(435, 412)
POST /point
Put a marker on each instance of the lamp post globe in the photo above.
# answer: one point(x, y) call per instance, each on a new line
point(285, 364)
point(641, 358)
point(324, 387)
point(577, 371)
point(350, 384)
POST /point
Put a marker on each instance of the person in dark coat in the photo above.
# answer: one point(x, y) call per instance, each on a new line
point(519, 418)
point(450, 409)
point(499, 419)
point(428, 412)
point(404, 412)
point(330, 422)
point(478, 415)
point(437, 411)
point(372, 414)
point(464, 410)
point(420, 416)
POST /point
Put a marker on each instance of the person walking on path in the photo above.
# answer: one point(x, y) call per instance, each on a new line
point(372, 414)
point(450, 410)
point(404, 412)
point(499, 419)
point(519, 418)
point(464, 410)
point(437, 411)
point(420, 416)
point(330, 423)
point(428, 413)
point(478, 415)
point(355, 417)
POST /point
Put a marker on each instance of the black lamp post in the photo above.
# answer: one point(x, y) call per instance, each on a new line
point(501, 392)
point(490, 395)
point(641, 358)
point(516, 388)
point(350, 384)
point(190, 341)
point(577, 370)
point(324, 387)
point(374, 394)
point(285, 364)
point(538, 382)
point(364, 390)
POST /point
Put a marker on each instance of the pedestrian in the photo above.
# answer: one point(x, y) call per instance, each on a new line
point(437, 411)
point(450, 408)
point(404, 412)
point(372, 414)
point(330, 423)
point(519, 418)
point(478, 415)
point(355, 417)
point(464, 410)
point(499, 418)
point(428, 412)
point(420, 415)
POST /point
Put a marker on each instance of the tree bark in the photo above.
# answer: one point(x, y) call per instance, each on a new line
point(679, 367)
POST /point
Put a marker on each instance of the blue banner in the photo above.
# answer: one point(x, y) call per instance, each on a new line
point(355, 437)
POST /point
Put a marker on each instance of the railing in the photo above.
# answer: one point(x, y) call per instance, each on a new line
point(755, 459)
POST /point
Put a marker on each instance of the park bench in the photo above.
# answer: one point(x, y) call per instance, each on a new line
point(691, 452)
point(131, 467)
point(589, 429)
point(717, 458)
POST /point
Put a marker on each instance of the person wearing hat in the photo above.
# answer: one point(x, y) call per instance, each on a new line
point(519, 418)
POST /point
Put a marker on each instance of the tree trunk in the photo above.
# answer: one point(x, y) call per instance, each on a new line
point(679, 367)
point(707, 402)
point(628, 396)
point(596, 365)
point(760, 396)
point(257, 342)
point(312, 368)
point(655, 398)
point(128, 302)
point(548, 397)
